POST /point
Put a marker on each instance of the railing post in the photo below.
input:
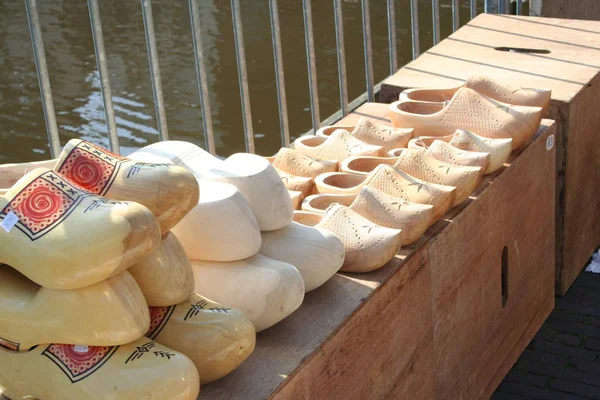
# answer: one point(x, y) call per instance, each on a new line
point(455, 15)
point(366, 22)
point(341, 56)
point(209, 137)
point(39, 56)
point(312, 66)
point(159, 103)
point(519, 7)
point(473, 8)
point(109, 111)
point(391, 16)
point(279, 76)
point(435, 11)
point(414, 23)
point(491, 6)
point(242, 74)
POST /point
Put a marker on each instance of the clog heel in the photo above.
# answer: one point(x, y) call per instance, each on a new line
point(216, 338)
point(373, 133)
point(63, 237)
point(264, 289)
point(367, 246)
point(165, 275)
point(142, 369)
point(317, 253)
point(108, 313)
point(252, 175)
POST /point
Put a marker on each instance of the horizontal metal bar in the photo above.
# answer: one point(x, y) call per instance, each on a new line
point(109, 111)
point(341, 55)
point(414, 22)
point(209, 137)
point(284, 126)
point(157, 90)
point(312, 66)
point(391, 15)
point(39, 56)
point(240, 54)
point(368, 50)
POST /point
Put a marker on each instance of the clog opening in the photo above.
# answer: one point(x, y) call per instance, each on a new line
point(330, 129)
point(433, 95)
point(307, 218)
point(344, 181)
point(321, 202)
point(420, 108)
point(312, 141)
point(368, 164)
point(215, 191)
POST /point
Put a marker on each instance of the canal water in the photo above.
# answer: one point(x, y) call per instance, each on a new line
point(75, 81)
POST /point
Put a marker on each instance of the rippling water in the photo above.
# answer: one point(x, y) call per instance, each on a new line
point(76, 87)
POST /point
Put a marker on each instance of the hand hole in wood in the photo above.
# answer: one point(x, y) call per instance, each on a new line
point(504, 277)
point(522, 50)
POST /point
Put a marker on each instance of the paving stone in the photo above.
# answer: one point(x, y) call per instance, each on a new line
point(576, 388)
point(527, 378)
point(556, 348)
point(559, 337)
point(537, 356)
point(569, 373)
point(507, 396)
point(586, 366)
point(591, 343)
point(532, 392)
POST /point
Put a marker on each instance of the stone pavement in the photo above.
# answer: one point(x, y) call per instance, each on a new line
point(563, 360)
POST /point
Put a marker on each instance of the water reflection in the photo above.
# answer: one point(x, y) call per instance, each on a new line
point(76, 87)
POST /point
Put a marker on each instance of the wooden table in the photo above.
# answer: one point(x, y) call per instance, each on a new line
point(571, 70)
point(446, 318)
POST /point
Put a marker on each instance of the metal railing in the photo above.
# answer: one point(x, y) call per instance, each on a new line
point(501, 6)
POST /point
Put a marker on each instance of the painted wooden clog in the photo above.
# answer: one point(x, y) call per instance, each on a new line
point(380, 208)
point(142, 369)
point(468, 110)
point(168, 191)
point(108, 313)
point(424, 167)
point(337, 146)
point(447, 153)
point(488, 87)
point(317, 253)
point(165, 275)
point(222, 226)
point(367, 246)
point(265, 290)
point(373, 133)
point(216, 338)
point(62, 237)
point(393, 182)
point(252, 175)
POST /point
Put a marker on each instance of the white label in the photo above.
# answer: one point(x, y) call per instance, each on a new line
point(9, 221)
point(550, 142)
point(81, 349)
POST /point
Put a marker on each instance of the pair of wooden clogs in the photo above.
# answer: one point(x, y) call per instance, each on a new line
point(70, 250)
point(245, 249)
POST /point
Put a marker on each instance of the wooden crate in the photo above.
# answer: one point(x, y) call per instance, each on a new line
point(571, 70)
point(431, 324)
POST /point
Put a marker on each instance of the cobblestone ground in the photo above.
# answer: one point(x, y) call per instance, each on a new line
point(563, 360)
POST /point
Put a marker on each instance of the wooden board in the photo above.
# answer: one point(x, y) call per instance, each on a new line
point(571, 70)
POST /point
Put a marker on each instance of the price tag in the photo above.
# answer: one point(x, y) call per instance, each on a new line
point(9, 221)
point(550, 142)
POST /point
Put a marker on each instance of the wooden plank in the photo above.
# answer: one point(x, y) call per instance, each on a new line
point(474, 335)
point(571, 70)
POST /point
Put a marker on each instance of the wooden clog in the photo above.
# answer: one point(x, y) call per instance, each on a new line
point(62, 237)
point(380, 208)
point(216, 338)
point(393, 182)
point(265, 290)
point(337, 146)
point(142, 369)
point(424, 167)
point(318, 254)
point(222, 226)
point(296, 198)
point(373, 133)
point(295, 183)
point(488, 87)
point(254, 176)
point(297, 163)
point(108, 313)
point(499, 149)
point(468, 110)
point(449, 154)
point(367, 246)
point(165, 275)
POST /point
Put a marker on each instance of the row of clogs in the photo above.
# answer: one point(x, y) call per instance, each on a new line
point(389, 184)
